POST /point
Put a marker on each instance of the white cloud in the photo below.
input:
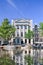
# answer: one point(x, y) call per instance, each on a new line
point(14, 5)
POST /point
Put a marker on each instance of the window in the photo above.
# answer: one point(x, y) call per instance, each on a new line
point(29, 51)
point(25, 52)
point(21, 27)
point(25, 27)
point(25, 40)
point(14, 57)
point(17, 26)
point(35, 26)
point(21, 41)
point(21, 64)
point(36, 39)
point(29, 41)
point(17, 33)
point(0, 42)
point(5, 42)
point(17, 40)
point(13, 40)
point(21, 33)
point(28, 27)
point(41, 40)
point(17, 63)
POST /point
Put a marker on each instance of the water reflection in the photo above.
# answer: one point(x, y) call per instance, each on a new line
point(6, 50)
point(17, 52)
point(9, 50)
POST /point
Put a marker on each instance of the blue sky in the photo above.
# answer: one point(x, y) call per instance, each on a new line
point(29, 9)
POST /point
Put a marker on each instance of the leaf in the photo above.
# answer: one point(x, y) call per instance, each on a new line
point(6, 30)
point(29, 59)
point(29, 34)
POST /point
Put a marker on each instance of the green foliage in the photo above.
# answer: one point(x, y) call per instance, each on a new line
point(5, 60)
point(6, 30)
point(41, 60)
point(41, 28)
point(28, 59)
point(29, 34)
point(41, 25)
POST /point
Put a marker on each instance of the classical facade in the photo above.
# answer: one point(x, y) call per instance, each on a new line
point(22, 44)
point(22, 27)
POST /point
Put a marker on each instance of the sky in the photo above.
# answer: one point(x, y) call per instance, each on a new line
point(22, 9)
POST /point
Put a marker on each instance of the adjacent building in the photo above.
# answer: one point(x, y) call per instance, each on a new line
point(37, 45)
point(36, 33)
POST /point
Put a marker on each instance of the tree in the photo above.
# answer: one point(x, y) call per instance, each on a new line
point(29, 59)
point(29, 35)
point(6, 30)
point(5, 60)
point(41, 35)
point(41, 28)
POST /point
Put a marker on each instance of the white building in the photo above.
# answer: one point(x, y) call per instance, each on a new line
point(21, 43)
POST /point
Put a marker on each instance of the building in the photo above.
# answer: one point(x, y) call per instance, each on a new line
point(36, 33)
point(38, 45)
point(22, 44)
point(22, 27)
